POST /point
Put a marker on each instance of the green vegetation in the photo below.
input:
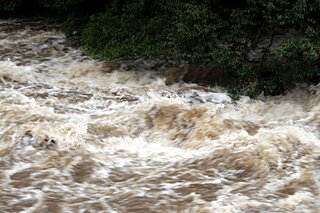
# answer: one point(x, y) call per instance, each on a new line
point(9, 5)
point(261, 45)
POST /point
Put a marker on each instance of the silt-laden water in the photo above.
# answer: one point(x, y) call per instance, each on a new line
point(77, 138)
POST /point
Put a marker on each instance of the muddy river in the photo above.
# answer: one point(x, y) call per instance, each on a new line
point(75, 137)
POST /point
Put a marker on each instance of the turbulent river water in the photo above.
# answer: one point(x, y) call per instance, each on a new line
point(77, 138)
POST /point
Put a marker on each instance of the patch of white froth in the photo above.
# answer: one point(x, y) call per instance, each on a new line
point(207, 97)
point(302, 201)
point(71, 132)
point(142, 149)
point(91, 75)
point(9, 70)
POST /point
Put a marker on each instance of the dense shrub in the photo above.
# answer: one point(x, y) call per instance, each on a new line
point(9, 5)
point(60, 8)
point(229, 33)
point(60, 4)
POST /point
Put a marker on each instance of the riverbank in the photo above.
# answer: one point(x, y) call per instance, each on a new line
point(249, 47)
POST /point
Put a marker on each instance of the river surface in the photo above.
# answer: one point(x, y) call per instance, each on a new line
point(77, 138)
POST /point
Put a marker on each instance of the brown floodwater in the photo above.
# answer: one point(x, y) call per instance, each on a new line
point(77, 138)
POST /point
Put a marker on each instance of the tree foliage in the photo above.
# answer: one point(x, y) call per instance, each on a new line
point(9, 5)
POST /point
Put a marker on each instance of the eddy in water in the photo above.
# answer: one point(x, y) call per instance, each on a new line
point(75, 137)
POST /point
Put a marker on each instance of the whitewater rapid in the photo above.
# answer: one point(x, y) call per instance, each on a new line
point(77, 138)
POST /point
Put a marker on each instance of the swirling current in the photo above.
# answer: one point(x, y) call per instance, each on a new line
point(75, 137)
